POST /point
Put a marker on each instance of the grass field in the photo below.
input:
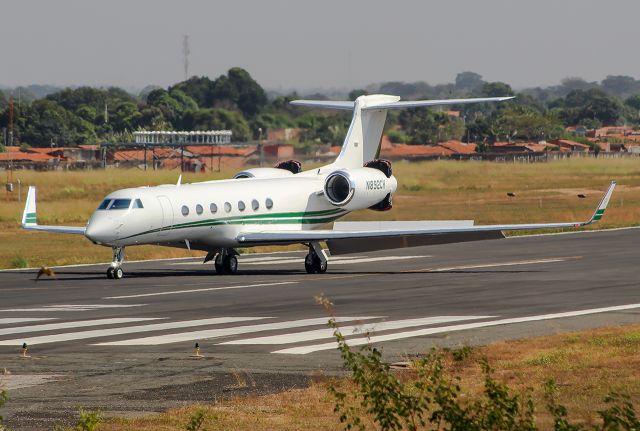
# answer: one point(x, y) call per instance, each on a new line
point(427, 190)
point(585, 365)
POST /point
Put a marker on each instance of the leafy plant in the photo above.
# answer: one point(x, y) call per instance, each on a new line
point(196, 421)
point(19, 262)
point(4, 397)
point(88, 420)
point(434, 399)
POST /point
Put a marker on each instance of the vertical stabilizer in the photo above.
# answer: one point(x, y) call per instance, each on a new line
point(29, 214)
point(362, 143)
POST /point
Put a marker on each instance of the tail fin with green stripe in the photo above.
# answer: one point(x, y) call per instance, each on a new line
point(602, 206)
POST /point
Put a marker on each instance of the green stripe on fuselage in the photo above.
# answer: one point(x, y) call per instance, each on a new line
point(312, 217)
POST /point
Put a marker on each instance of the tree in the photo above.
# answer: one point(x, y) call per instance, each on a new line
point(469, 82)
point(354, 94)
point(633, 102)
point(497, 89)
point(218, 119)
point(619, 85)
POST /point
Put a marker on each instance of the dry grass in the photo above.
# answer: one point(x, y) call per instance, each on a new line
point(586, 366)
point(427, 190)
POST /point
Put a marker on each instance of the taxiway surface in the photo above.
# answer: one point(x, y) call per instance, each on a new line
point(124, 346)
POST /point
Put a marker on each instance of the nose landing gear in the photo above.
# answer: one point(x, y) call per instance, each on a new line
point(115, 270)
point(316, 261)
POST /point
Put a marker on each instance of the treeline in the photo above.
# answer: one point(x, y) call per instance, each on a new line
point(236, 101)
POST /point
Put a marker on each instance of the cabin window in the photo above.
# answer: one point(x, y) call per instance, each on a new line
point(255, 205)
point(137, 204)
point(120, 204)
point(227, 207)
point(241, 206)
point(268, 203)
point(185, 210)
point(213, 208)
point(199, 209)
point(105, 203)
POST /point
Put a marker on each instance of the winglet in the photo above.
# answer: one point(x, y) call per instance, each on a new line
point(29, 214)
point(602, 206)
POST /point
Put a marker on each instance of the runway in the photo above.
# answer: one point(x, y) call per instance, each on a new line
point(124, 345)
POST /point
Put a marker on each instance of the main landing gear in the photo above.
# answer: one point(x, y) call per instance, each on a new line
point(316, 261)
point(226, 261)
point(115, 270)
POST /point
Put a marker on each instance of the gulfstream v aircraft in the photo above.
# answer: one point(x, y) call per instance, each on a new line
point(282, 205)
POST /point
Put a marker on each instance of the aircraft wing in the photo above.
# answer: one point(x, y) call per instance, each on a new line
point(406, 234)
point(29, 221)
point(345, 104)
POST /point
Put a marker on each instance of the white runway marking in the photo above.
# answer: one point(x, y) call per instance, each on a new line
point(318, 334)
point(98, 333)
point(75, 307)
point(338, 260)
point(10, 320)
point(495, 265)
point(72, 325)
point(175, 292)
point(303, 350)
point(224, 332)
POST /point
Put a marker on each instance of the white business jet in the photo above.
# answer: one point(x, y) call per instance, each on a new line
point(282, 205)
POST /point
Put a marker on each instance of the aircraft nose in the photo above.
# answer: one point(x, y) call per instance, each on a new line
point(101, 232)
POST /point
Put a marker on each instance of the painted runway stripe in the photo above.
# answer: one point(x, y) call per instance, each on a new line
point(303, 350)
point(176, 292)
point(11, 320)
point(339, 261)
point(225, 332)
point(76, 307)
point(72, 325)
point(496, 265)
point(318, 334)
point(98, 333)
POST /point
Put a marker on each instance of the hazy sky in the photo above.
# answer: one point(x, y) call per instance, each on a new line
point(320, 44)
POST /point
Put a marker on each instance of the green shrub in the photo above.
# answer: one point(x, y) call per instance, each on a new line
point(4, 397)
point(434, 400)
point(88, 420)
point(196, 421)
point(19, 262)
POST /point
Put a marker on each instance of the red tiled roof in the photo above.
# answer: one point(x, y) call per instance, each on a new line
point(406, 150)
point(458, 147)
point(27, 157)
point(220, 150)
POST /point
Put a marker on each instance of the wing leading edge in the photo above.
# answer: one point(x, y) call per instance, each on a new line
point(408, 236)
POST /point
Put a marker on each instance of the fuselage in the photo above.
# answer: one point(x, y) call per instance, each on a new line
point(210, 214)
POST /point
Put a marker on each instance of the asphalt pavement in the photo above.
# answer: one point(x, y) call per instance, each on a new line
point(126, 346)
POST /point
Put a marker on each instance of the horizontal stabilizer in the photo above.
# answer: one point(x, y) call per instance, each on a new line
point(329, 104)
point(421, 103)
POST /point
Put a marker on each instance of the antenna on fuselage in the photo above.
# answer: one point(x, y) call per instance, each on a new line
point(179, 181)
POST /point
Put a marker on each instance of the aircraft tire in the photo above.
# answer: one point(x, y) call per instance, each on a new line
point(219, 264)
point(308, 264)
point(118, 273)
point(230, 264)
point(110, 273)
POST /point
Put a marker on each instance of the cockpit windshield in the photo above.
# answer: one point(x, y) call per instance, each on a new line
point(120, 204)
point(115, 204)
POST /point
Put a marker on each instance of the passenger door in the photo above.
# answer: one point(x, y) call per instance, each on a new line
point(167, 215)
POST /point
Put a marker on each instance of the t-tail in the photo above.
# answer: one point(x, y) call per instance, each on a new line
point(362, 143)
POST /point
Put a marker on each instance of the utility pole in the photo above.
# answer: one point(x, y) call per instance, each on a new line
point(11, 121)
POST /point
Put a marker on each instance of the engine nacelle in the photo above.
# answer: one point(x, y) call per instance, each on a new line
point(263, 173)
point(360, 188)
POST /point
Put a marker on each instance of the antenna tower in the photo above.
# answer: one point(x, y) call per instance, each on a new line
point(185, 54)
